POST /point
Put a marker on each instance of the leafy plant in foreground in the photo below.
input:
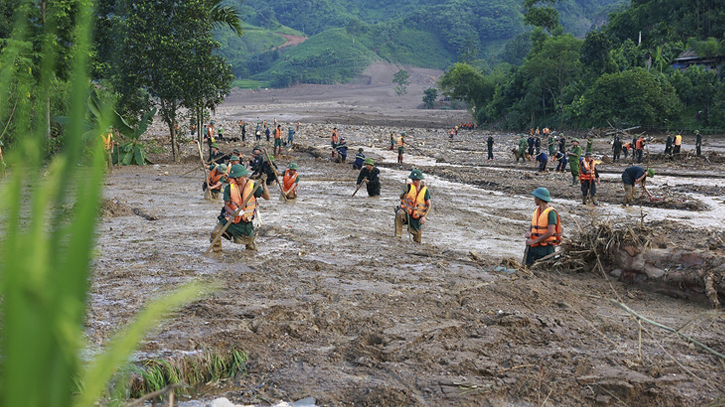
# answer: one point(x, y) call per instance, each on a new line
point(46, 253)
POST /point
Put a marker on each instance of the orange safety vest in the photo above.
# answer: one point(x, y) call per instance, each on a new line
point(214, 176)
point(335, 139)
point(640, 144)
point(414, 201)
point(277, 133)
point(678, 140)
point(210, 130)
point(540, 224)
point(401, 142)
point(289, 181)
point(247, 213)
point(589, 171)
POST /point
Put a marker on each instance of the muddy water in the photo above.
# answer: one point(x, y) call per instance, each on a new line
point(333, 306)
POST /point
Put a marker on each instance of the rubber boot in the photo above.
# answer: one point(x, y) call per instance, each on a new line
point(217, 246)
point(417, 236)
point(584, 200)
point(573, 180)
point(398, 225)
point(252, 246)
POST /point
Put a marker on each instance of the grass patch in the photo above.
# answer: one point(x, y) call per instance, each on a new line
point(249, 84)
point(190, 371)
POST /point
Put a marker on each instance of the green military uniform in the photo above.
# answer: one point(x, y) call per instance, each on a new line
point(242, 232)
point(523, 145)
point(552, 145)
point(574, 155)
point(590, 145)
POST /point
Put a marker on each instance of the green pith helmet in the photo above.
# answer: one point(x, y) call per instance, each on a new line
point(588, 155)
point(368, 161)
point(234, 158)
point(561, 134)
point(256, 148)
point(696, 132)
point(215, 145)
point(211, 122)
point(293, 166)
point(542, 193)
point(416, 174)
point(238, 171)
point(650, 172)
point(222, 168)
point(575, 140)
point(402, 134)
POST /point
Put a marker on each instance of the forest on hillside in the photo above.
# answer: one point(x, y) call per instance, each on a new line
point(609, 78)
point(426, 33)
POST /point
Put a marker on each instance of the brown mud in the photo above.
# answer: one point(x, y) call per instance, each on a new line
point(334, 307)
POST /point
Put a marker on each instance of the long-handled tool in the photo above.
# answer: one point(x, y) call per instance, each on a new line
point(276, 174)
point(526, 254)
point(207, 193)
point(189, 172)
point(364, 181)
point(235, 214)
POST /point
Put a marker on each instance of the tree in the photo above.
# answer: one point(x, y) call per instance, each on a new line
point(431, 94)
point(169, 61)
point(402, 78)
point(630, 97)
point(538, 16)
point(463, 82)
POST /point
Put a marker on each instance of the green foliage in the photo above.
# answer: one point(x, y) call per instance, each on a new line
point(329, 57)
point(402, 80)
point(169, 60)
point(198, 369)
point(635, 96)
point(463, 82)
point(49, 227)
point(132, 151)
point(429, 98)
point(541, 16)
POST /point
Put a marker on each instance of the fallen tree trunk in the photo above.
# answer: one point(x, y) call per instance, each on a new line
point(627, 253)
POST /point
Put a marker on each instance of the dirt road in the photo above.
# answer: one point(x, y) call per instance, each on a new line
point(333, 306)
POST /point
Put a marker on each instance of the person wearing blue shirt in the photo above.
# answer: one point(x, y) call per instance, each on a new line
point(359, 157)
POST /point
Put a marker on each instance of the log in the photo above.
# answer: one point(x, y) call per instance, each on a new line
point(695, 275)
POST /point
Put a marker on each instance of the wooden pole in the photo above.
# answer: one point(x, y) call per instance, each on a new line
point(276, 175)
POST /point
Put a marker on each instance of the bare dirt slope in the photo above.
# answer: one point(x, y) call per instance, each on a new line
point(333, 306)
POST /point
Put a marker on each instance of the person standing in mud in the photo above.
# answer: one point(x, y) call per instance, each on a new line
point(616, 148)
point(590, 145)
point(542, 159)
point(678, 145)
point(668, 144)
point(573, 155)
point(290, 180)
point(243, 130)
point(562, 143)
point(278, 143)
point(537, 144)
point(334, 139)
point(639, 148)
point(370, 174)
point(489, 145)
point(216, 179)
point(521, 153)
point(401, 147)
point(698, 143)
point(255, 164)
point(216, 156)
point(589, 178)
point(359, 158)
point(561, 166)
point(414, 206)
point(551, 144)
point(545, 230)
point(632, 176)
point(240, 193)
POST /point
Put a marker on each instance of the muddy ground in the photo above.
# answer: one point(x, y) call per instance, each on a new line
point(334, 307)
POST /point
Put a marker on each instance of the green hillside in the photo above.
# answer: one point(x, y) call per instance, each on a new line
point(425, 33)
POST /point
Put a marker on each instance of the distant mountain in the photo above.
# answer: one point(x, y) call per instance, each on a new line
point(346, 35)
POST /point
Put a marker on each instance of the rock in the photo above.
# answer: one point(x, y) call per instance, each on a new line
point(222, 402)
